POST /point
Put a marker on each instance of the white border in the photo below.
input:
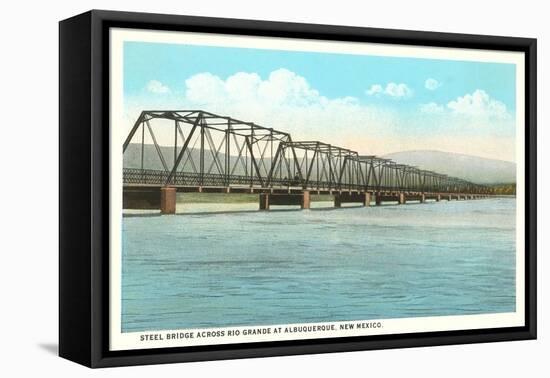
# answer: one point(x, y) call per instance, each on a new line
point(133, 340)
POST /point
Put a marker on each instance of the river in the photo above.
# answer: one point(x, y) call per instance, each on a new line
point(217, 265)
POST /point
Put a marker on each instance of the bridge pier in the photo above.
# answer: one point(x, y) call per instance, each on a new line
point(266, 200)
point(168, 200)
point(306, 200)
point(422, 198)
point(367, 199)
point(438, 198)
point(402, 198)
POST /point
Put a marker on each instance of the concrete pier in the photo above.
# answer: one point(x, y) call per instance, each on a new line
point(306, 200)
point(168, 200)
point(264, 201)
point(367, 199)
point(163, 198)
point(402, 199)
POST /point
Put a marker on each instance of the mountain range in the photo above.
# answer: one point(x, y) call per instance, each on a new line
point(471, 168)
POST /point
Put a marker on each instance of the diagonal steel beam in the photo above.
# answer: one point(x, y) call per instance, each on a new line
point(183, 149)
point(157, 147)
point(132, 132)
point(253, 159)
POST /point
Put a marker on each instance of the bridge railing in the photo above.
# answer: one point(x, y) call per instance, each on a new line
point(139, 176)
point(157, 177)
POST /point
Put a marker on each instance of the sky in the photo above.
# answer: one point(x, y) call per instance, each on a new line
point(371, 104)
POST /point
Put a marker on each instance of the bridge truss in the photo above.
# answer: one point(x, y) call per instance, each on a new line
point(206, 149)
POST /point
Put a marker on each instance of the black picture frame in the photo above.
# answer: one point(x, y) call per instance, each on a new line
point(84, 183)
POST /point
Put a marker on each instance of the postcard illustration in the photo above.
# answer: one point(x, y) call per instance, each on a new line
point(275, 189)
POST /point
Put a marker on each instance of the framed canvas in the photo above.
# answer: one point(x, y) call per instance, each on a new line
point(235, 188)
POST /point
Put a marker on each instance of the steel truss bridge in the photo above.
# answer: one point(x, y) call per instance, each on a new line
point(213, 153)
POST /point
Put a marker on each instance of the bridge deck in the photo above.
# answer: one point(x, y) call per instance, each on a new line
point(216, 183)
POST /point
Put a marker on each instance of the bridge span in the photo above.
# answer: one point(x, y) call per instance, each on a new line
point(209, 153)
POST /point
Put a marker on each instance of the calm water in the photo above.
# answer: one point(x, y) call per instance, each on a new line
point(252, 268)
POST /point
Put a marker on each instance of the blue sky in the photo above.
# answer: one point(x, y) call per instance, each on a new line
point(385, 98)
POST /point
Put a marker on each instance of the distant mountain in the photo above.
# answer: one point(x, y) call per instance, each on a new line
point(471, 168)
point(151, 160)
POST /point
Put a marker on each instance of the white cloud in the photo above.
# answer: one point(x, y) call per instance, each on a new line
point(432, 84)
point(286, 101)
point(478, 104)
point(156, 86)
point(432, 108)
point(375, 89)
point(393, 90)
point(282, 87)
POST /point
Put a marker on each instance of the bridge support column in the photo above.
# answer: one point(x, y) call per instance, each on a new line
point(402, 199)
point(264, 201)
point(422, 198)
point(168, 200)
point(306, 200)
point(378, 199)
point(367, 199)
point(438, 197)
